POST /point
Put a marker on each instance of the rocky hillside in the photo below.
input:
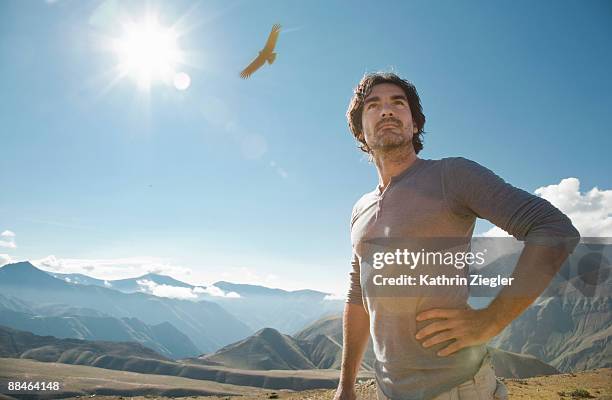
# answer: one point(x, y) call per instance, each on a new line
point(133, 357)
point(572, 333)
point(78, 323)
point(320, 346)
point(570, 325)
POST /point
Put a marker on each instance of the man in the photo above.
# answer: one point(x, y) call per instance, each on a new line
point(433, 346)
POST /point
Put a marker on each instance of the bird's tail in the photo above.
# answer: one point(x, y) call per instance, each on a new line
point(271, 58)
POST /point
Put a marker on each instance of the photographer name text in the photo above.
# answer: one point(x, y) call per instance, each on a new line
point(442, 280)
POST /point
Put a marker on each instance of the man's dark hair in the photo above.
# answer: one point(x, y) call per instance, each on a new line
point(363, 90)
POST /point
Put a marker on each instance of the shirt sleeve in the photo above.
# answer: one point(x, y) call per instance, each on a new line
point(473, 190)
point(354, 294)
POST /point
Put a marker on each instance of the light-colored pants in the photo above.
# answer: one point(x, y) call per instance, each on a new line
point(483, 386)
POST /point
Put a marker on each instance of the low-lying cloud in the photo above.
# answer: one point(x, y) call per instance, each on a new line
point(175, 292)
point(5, 259)
point(178, 292)
point(215, 292)
point(334, 296)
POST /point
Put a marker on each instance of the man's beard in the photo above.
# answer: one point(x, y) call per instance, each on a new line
point(387, 141)
point(390, 140)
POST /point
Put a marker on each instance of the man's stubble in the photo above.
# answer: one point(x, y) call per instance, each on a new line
point(392, 145)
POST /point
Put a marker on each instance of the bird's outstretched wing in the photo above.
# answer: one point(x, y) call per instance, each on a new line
point(265, 54)
point(253, 66)
point(272, 37)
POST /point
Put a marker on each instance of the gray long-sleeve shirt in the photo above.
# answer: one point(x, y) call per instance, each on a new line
point(434, 199)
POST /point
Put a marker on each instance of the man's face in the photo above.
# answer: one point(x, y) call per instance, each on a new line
point(386, 118)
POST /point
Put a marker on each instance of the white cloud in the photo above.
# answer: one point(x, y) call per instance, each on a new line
point(215, 291)
point(184, 293)
point(175, 292)
point(112, 268)
point(49, 262)
point(335, 296)
point(5, 259)
point(7, 239)
point(590, 212)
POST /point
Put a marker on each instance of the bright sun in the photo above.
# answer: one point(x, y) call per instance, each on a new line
point(149, 53)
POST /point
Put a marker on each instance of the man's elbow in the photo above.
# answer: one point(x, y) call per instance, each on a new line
point(571, 236)
point(575, 238)
point(556, 230)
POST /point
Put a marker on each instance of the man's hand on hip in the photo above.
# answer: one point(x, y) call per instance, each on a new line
point(468, 327)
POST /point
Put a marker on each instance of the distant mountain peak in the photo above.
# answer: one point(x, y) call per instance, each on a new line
point(246, 289)
point(21, 265)
point(154, 275)
point(25, 272)
point(268, 333)
point(157, 278)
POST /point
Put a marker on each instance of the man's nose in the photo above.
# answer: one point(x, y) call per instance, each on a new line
point(386, 111)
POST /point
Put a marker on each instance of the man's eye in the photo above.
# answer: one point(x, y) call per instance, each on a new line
point(370, 106)
point(399, 102)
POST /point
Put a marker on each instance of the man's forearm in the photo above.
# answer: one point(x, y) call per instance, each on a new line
point(355, 334)
point(536, 267)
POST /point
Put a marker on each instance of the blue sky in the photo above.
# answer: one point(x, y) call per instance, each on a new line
point(254, 180)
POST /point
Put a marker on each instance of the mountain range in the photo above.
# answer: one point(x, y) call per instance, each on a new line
point(83, 323)
point(570, 325)
point(256, 306)
point(207, 324)
point(319, 345)
point(565, 327)
point(286, 311)
point(133, 357)
point(571, 334)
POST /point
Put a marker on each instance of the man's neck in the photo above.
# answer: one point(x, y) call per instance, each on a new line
point(393, 162)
